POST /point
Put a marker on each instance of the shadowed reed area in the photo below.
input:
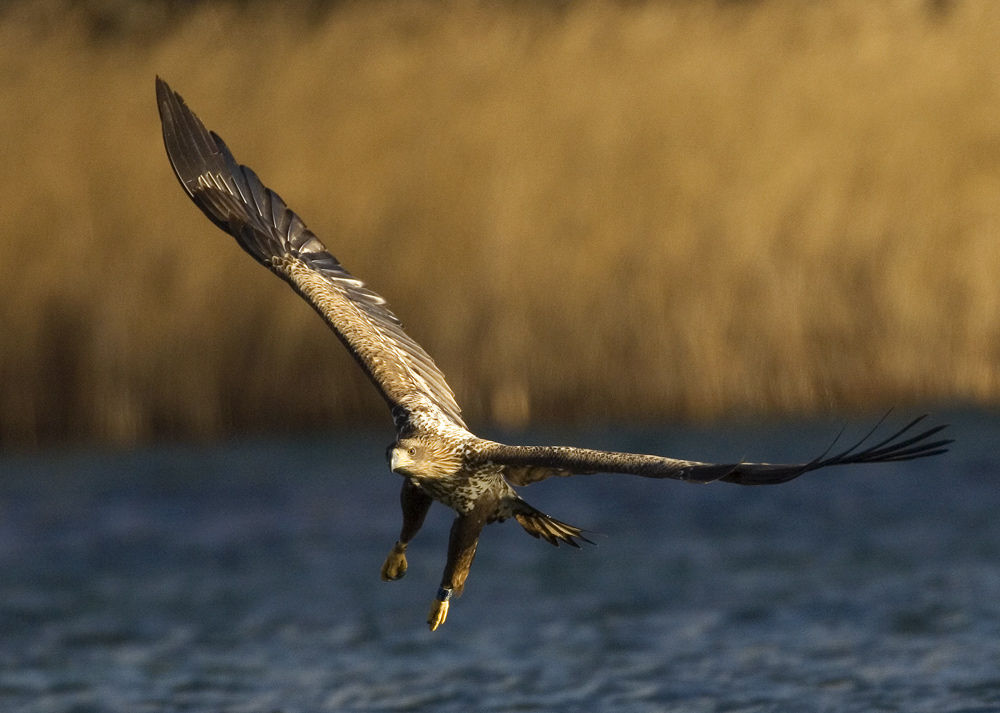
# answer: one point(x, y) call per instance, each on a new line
point(602, 211)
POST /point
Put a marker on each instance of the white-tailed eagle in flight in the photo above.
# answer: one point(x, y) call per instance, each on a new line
point(435, 453)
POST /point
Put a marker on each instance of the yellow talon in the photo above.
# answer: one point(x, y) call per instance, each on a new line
point(439, 612)
point(394, 566)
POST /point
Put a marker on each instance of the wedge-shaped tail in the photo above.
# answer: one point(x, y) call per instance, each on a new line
point(542, 526)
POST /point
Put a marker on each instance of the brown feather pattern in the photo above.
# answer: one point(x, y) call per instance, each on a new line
point(234, 199)
point(435, 453)
point(529, 464)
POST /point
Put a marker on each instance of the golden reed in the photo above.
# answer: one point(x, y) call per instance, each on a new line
point(652, 210)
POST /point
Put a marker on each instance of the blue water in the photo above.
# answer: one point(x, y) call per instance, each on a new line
point(245, 577)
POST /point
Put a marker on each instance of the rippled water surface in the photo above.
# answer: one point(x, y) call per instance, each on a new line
point(245, 577)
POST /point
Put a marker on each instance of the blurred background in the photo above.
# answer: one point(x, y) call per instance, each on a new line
point(715, 229)
point(585, 212)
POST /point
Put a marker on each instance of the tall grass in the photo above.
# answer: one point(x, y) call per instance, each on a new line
point(600, 211)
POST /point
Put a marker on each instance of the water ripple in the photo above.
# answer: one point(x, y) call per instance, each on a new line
point(183, 580)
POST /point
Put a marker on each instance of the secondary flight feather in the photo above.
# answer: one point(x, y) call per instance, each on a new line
point(438, 457)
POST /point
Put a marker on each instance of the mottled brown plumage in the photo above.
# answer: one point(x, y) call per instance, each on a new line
point(438, 457)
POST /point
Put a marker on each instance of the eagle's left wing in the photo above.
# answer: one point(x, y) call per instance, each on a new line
point(234, 199)
point(529, 464)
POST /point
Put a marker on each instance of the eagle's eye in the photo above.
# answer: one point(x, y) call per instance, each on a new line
point(412, 451)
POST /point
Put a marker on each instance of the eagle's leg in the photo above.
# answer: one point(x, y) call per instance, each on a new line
point(461, 551)
point(415, 503)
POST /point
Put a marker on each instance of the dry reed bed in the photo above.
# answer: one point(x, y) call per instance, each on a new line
point(640, 211)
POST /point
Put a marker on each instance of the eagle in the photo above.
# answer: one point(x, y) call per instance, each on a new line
point(436, 454)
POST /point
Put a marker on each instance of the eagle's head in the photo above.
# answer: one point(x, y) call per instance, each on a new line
point(420, 458)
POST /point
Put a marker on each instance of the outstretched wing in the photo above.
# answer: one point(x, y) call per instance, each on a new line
point(529, 464)
point(234, 199)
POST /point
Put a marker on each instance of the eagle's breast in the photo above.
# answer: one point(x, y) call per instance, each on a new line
point(462, 489)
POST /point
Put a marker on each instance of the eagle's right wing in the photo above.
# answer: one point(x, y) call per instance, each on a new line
point(234, 199)
point(529, 464)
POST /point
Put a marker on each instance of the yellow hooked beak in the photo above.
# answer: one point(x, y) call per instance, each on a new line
point(399, 459)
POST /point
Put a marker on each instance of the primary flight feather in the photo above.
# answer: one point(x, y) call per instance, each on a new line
point(438, 457)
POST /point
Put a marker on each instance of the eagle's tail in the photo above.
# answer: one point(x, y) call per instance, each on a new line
point(539, 525)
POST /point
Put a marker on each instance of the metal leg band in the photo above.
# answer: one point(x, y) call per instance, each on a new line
point(444, 594)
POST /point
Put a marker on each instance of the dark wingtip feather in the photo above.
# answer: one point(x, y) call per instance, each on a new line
point(898, 447)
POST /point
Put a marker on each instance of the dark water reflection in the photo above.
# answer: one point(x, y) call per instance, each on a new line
point(245, 578)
